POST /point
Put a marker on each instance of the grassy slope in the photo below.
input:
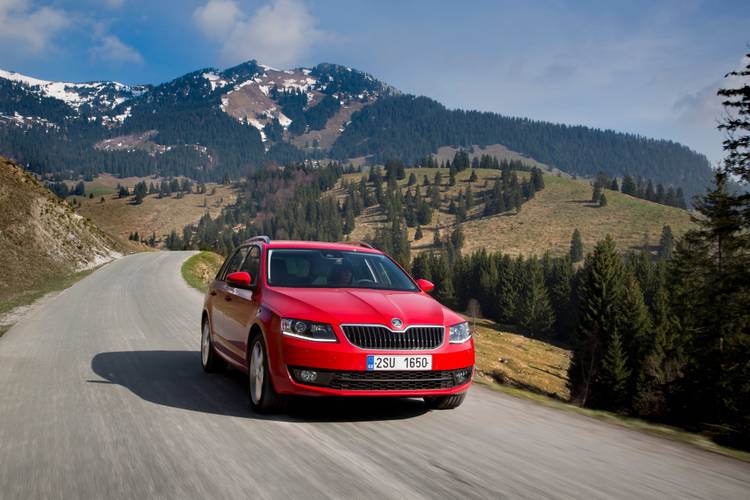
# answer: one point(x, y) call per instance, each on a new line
point(546, 222)
point(44, 245)
point(200, 269)
point(519, 361)
point(119, 217)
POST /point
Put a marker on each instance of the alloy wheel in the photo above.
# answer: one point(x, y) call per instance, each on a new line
point(257, 372)
point(205, 343)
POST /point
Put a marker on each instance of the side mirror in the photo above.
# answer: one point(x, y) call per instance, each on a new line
point(425, 286)
point(240, 279)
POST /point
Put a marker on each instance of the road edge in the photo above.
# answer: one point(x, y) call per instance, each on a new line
point(670, 433)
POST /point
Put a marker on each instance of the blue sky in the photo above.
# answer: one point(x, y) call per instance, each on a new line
point(648, 67)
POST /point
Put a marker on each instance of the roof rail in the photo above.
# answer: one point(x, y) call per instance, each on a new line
point(357, 244)
point(264, 239)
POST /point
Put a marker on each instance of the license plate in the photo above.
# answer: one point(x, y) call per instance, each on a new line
point(406, 363)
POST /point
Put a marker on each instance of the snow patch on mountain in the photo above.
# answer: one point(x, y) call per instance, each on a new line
point(27, 121)
point(77, 94)
point(215, 80)
point(284, 120)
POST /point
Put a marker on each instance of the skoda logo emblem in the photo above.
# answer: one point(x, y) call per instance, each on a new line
point(397, 323)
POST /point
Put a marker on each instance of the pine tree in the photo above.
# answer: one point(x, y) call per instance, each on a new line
point(603, 200)
point(457, 238)
point(537, 179)
point(560, 279)
point(576, 247)
point(666, 243)
point(649, 194)
point(662, 363)
point(596, 194)
point(534, 311)
point(418, 233)
point(737, 128)
point(711, 290)
point(614, 375)
point(629, 186)
point(443, 279)
point(601, 293)
point(635, 325)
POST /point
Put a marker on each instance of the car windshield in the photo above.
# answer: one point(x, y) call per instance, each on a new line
point(310, 268)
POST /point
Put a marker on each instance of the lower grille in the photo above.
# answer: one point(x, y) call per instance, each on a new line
point(390, 380)
point(380, 337)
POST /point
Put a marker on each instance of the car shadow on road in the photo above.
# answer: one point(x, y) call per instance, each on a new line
point(175, 378)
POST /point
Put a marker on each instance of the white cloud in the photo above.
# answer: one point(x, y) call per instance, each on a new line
point(279, 33)
point(697, 114)
point(109, 48)
point(31, 28)
point(217, 18)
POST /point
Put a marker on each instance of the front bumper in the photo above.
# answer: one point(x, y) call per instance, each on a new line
point(342, 370)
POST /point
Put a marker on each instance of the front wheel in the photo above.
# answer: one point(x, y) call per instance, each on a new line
point(211, 361)
point(445, 402)
point(263, 397)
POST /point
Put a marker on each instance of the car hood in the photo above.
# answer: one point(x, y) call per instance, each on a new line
point(359, 306)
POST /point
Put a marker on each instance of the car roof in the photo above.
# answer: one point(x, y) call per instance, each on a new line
point(321, 245)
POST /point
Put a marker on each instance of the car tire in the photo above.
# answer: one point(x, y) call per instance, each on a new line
point(263, 396)
point(445, 402)
point(210, 360)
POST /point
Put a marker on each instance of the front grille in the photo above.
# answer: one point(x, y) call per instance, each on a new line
point(380, 337)
point(391, 380)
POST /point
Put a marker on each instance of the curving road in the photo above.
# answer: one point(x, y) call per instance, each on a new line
point(102, 396)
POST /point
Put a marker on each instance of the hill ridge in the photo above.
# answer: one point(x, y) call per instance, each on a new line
point(213, 123)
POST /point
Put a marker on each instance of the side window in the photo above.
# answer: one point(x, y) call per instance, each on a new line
point(234, 262)
point(252, 264)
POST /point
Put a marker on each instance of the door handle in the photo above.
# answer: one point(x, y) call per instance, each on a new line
point(227, 298)
point(213, 292)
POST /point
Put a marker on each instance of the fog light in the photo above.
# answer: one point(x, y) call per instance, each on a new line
point(308, 375)
point(461, 376)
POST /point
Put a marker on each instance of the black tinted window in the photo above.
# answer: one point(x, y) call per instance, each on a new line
point(335, 269)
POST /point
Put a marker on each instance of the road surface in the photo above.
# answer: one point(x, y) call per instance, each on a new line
point(102, 396)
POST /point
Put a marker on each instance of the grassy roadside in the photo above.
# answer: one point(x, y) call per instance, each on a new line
point(27, 297)
point(200, 269)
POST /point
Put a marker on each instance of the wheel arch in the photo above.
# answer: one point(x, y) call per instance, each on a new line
point(255, 331)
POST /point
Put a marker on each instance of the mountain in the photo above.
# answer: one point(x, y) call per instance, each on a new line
point(42, 240)
point(210, 124)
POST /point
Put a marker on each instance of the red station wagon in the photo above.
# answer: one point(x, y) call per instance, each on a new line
point(332, 319)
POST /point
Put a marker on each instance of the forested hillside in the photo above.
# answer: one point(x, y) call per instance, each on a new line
point(409, 127)
point(211, 125)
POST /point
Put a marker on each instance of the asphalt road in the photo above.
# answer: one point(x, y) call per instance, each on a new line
point(102, 396)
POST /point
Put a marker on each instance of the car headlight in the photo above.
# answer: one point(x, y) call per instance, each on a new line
point(308, 330)
point(460, 333)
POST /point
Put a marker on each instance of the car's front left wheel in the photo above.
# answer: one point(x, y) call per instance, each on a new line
point(263, 397)
point(211, 361)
